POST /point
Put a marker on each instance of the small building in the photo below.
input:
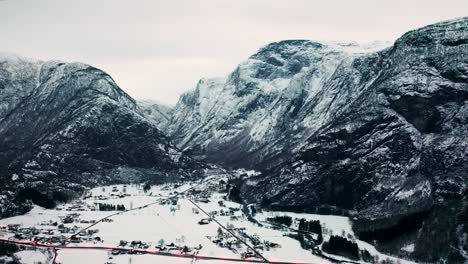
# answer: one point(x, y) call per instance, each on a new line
point(13, 227)
point(204, 221)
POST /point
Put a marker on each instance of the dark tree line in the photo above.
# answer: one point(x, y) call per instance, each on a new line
point(36, 197)
point(282, 220)
point(111, 207)
point(234, 194)
point(405, 225)
point(341, 246)
point(6, 249)
point(313, 226)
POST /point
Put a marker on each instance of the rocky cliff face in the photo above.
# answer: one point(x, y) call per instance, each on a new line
point(378, 135)
point(395, 154)
point(64, 126)
point(240, 120)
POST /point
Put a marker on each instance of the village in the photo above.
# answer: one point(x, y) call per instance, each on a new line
point(192, 219)
point(71, 228)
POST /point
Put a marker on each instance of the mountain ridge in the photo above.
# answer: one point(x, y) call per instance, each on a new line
point(378, 135)
point(65, 127)
point(253, 88)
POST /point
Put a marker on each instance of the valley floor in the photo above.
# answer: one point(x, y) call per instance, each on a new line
point(188, 223)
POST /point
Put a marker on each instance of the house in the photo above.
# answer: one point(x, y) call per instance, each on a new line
point(75, 239)
point(38, 239)
point(116, 252)
point(19, 236)
point(92, 231)
point(13, 227)
point(204, 200)
point(48, 232)
point(161, 248)
point(144, 245)
point(213, 213)
point(204, 221)
point(248, 255)
point(136, 243)
point(68, 220)
point(57, 239)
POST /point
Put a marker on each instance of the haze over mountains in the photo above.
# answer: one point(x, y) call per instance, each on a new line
point(376, 133)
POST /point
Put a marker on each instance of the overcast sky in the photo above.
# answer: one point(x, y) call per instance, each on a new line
point(159, 49)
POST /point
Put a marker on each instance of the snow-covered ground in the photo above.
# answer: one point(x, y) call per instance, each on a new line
point(80, 256)
point(166, 215)
point(32, 256)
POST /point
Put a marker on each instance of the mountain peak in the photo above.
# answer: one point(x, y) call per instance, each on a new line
point(451, 32)
point(286, 48)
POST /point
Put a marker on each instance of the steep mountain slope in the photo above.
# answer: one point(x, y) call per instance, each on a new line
point(159, 113)
point(238, 120)
point(64, 126)
point(378, 135)
point(395, 151)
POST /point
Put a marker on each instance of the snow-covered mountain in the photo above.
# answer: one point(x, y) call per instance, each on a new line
point(376, 133)
point(380, 135)
point(156, 111)
point(64, 126)
point(238, 120)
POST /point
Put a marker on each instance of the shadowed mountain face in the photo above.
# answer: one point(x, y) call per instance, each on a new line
point(64, 126)
point(377, 135)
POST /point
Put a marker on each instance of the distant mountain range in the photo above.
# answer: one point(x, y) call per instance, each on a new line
point(157, 112)
point(375, 132)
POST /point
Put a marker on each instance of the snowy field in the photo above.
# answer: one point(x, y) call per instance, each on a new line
point(165, 219)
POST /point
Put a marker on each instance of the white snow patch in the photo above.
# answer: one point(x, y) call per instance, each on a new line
point(408, 248)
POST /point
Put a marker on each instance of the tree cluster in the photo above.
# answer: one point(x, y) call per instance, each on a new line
point(282, 220)
point(341, 246)
point(6, 249)
point(111, 207)
point(313, 226)
point(146, 187)
point(366, 256)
